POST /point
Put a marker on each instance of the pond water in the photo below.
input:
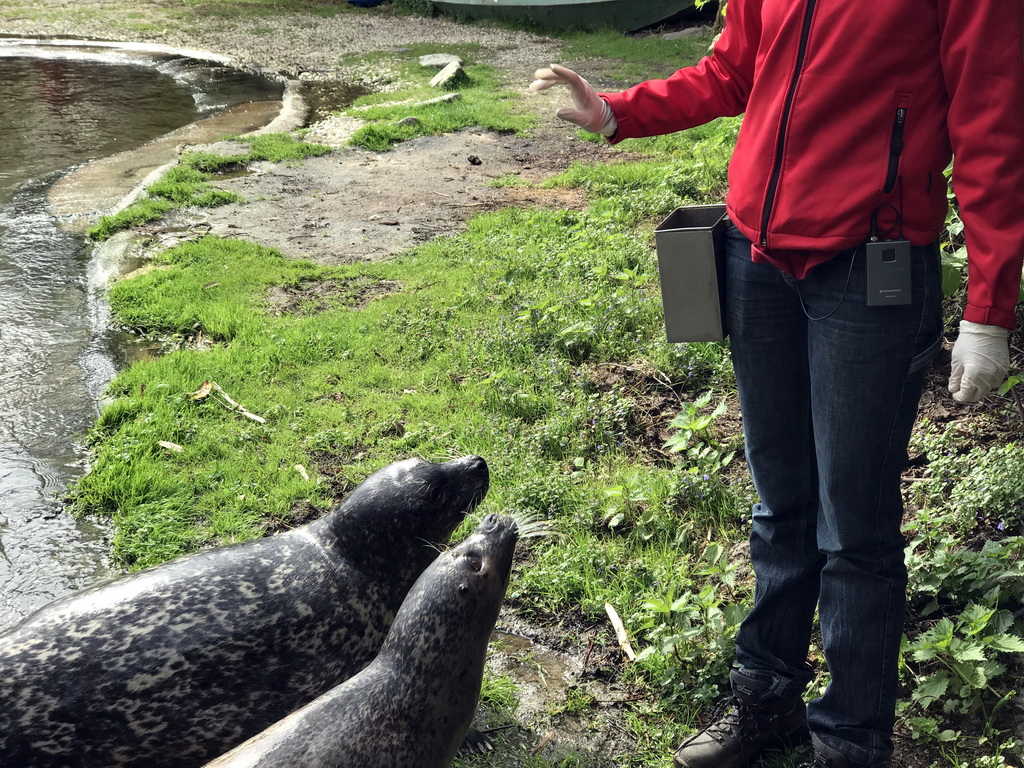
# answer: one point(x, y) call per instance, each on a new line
point(61, 106)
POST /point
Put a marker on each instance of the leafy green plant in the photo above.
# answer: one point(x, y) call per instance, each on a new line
point(692, 631)
point(961, 665)
point(703, 459)
point(953, 245)
point(967, 486)
point(953, 249)
point(944, 575)
point(625, 499)
point(694, 427)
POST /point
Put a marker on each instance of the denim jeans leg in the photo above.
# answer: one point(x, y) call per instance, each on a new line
point(768, 339)
point(826, 445)
point(869, 366)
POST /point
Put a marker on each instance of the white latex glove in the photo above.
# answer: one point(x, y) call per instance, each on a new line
point(981, 358)
point(592, 113)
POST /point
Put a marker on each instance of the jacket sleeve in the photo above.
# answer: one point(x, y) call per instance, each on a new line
point(716, 86)
point(982, 50)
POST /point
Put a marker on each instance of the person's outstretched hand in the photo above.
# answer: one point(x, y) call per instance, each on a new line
point(981, 358)
point(591, 113)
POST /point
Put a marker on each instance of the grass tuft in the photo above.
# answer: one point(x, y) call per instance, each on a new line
point(188, 183)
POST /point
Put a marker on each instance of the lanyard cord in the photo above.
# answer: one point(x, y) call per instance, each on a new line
point(846, 287)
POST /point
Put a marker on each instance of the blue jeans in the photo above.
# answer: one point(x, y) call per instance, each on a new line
point(828, 405)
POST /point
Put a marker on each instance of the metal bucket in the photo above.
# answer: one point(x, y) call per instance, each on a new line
point(691, 250)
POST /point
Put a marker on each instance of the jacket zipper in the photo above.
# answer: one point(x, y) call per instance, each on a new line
point(895, 149)
point(773, 183)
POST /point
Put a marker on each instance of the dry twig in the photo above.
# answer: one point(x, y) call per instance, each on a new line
point(214, 390)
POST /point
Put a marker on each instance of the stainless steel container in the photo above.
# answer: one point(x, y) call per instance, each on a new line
point(691, 252)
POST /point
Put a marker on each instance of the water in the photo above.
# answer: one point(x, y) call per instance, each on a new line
point(60, 107)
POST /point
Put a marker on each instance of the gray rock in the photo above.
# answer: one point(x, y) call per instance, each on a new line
point(439, 60)
point(449, 77)
point(684, 33)
point(448, 97)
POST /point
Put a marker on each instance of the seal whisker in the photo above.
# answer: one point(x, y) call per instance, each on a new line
point(541, 530)
point(532, 525)
point(439, 548)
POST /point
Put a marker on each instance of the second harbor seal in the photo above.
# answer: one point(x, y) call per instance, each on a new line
point(413, 704)
point(177, 664)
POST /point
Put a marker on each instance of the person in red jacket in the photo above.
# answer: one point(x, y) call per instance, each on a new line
point(852, 112)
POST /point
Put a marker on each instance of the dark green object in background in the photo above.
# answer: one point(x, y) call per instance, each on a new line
point(625, 15)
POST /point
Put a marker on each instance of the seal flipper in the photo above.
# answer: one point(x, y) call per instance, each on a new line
point(475, 743)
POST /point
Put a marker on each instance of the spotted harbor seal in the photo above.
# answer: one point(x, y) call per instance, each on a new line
point(412, 706)
point(179, 663)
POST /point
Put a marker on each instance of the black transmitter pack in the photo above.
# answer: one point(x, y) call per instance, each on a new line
point(888, 272)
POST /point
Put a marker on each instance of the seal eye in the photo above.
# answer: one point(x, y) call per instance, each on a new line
point(474, 562)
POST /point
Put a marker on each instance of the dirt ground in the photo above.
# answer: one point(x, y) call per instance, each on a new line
point(354, 205)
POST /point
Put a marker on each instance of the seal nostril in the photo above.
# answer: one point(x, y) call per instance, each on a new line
point(476, 465)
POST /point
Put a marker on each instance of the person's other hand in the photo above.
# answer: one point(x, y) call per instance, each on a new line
point(981, 358)
point(591, 112)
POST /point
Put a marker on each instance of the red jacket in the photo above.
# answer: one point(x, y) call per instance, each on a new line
point(855, 106)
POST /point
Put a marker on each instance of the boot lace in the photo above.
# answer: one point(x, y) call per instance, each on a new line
point(731, 717)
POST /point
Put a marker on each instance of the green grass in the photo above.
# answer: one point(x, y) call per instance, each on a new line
point(483, 100)
point(265, 8)
point(534, 339)
point(631, 59)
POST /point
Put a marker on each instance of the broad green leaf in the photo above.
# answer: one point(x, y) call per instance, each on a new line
point(1006, 643)
point(932, 689)
point(972, 674)
point(966, 650)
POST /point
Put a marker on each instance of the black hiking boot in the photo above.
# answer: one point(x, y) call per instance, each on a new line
point(743, 725)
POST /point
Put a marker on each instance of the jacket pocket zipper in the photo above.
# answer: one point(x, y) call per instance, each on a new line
point(895, 149)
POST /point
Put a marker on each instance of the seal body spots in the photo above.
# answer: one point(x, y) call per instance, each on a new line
point(177, 664)
point(413, 704)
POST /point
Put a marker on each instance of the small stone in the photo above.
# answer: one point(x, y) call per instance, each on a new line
point(474, 160)
point(684, 33)
point(410, 120)
point(439, 60)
